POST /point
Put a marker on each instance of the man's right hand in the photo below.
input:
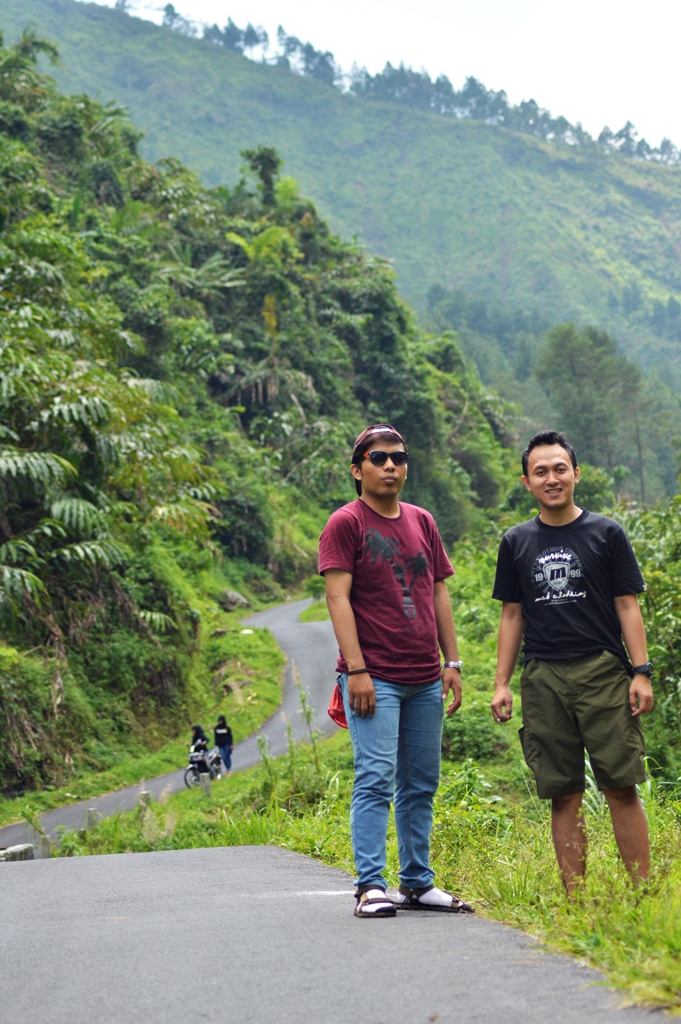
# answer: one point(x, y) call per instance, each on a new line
point(362, 694)
point(502, 704)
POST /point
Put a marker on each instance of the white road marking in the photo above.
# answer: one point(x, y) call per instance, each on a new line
point(311, 892)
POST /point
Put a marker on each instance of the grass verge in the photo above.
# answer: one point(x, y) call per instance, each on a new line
point(315, 612)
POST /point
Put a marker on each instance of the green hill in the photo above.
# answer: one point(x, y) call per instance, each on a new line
point(569, 233)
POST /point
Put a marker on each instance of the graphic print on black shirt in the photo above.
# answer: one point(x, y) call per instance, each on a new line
point(388, 550)
point(566, 579)
point(558, 575)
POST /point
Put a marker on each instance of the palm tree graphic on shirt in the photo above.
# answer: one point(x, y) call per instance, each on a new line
point(388, 550)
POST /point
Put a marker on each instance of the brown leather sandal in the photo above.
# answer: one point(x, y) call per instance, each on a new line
point(413, 902)
point(363, 900)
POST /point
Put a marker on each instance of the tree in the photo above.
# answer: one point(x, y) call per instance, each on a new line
point(266, 163)
point(590, 386)
point(304, 59)
point(174, 21)
point(233, 36)
point(253, 37)
point(20, 81)
point(625, 140)
point(319, 65)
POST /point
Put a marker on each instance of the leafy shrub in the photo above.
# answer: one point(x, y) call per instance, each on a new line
point(42, 716)
point(13, 121)
point(245, 528)
point(471, 733)
point(315, 587)
point(61, 134)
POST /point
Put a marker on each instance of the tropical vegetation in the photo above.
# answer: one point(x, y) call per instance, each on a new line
point(182, 371)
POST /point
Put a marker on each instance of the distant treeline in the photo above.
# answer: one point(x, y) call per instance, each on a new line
point(416, 89)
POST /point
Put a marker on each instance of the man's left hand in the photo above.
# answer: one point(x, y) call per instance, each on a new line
point(451, 680)
point(641, 698)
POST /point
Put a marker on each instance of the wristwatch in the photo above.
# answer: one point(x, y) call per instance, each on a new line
point(644, 670)
point(453, 664)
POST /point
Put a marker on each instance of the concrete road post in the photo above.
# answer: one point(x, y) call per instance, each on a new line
point(22, 851)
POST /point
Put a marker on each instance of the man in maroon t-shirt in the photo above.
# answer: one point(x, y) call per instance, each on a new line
point(385, 567)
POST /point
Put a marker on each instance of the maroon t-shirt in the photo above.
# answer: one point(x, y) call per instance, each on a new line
point(395, 564)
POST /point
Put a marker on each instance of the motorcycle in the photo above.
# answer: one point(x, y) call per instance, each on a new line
point(202, 762)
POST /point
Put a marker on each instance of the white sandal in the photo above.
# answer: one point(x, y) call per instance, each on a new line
point(374, 903)
point(411, 900)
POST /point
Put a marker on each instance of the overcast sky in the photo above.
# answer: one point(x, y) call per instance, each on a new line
point(595, 61)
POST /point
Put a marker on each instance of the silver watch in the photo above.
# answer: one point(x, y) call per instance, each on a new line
point(453, 664)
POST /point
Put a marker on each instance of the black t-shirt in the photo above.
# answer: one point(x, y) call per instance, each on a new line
point(566, 577)
point(223, 736)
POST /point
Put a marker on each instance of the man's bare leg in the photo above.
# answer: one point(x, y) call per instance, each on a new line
point(631, 830)
point(569, 839)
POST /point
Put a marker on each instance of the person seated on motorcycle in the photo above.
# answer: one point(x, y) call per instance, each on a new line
point(200, 746)
point(199, 739)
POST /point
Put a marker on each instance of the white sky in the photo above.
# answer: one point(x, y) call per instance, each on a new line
point(595, 61)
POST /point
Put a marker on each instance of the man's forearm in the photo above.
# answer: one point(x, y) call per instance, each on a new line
point(446, 633)
point(511, 629)
point(633, 630)
point(345, 628)
point(641, 698)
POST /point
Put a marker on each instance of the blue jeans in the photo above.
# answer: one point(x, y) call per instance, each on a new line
point(397, 755)
point(226, 755)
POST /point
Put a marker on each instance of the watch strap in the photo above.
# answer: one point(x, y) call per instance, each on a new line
point(644, 670)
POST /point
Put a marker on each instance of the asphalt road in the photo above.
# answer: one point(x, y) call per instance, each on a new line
point(259, 935)
point(311, 649)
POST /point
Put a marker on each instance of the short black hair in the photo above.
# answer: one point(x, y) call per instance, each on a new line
point(363, 447)
point(549, 437)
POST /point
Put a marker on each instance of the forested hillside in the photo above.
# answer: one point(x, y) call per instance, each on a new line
point(564, 231)
point(182, 372)
point(575, 379)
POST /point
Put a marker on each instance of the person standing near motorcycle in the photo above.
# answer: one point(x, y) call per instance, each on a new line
point(224, 741)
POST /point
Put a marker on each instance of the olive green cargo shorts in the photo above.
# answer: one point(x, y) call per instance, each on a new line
point(578, 703)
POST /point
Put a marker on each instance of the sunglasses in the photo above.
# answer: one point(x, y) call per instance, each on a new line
point(380, 458)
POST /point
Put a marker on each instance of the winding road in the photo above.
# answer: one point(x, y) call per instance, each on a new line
point(311, 651)
point(260, 934)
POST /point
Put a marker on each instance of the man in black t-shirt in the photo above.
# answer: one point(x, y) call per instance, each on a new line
point(568, 580)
